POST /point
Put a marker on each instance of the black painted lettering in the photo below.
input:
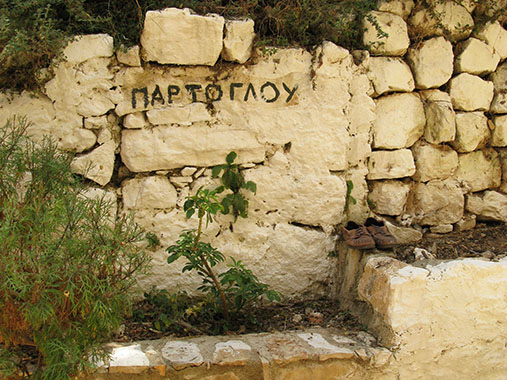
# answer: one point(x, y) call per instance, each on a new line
point(192, 88)
point(232, 87)
point(136, 91)
point(249, 90)
point(172, 90)
point(275, 89)
point(156, 96)
point(213, 89)
point(290, 92)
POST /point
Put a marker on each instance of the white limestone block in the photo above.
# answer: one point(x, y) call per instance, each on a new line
point(325, 349)
point(129, 356)
point(434, 161)
point(436, 202)
point(472, 131)
point(389, 164)
point(96, 122)
point(164, 148)
point(480, 170)
point(399, 122)
point(470, 93)
point(491, 205)
point(176, 36)
point(77, 140)
point(291, 197)
point(84, 47)
point(390, 75)
point(499, 135)
point(135, 120)
point(232, 352)
point(453, 21)
point(181, 354)
point(238, 40)
point(388, 197)
point(98, 165)
point(395, 43)
point(432, 62)
point(440, 116)
point(153, 192)
point(495, 36)
point(129, 56)
point(475, 57)
point(94, 104)
point(179, 114)
point(402, 8)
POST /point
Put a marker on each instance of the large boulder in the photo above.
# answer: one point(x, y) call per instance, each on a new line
point(238, 41)
point(176, 36)
point(470, 93)
point(436, 202)
point(388, 197)
point(491, 205)
point(472, 131)
point(393, 42)
point(434, 161)
point(84, 47)
point(440, 117)
point(390, 75)
point(445, 18)
point(495, 36)
point(431, 62)
point(98, 165)
point(162, 148)
point(401, 8)
point(475, 57)
point(389, 164)
point(480, 170)
point(400, 121)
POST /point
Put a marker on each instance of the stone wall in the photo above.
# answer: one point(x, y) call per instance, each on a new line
point(418, 124)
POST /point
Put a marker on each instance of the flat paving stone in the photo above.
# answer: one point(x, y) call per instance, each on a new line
point(285, 350)
point(232, 352)
point(324, 349)
point(182, 354)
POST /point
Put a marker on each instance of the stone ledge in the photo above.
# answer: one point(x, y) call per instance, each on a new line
point(246, 356)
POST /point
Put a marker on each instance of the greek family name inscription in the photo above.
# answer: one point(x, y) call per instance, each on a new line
point(268, 92)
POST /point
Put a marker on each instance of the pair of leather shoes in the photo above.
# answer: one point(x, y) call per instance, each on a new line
point(373, 233)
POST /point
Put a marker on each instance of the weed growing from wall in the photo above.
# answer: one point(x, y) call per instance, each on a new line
point(231, 291)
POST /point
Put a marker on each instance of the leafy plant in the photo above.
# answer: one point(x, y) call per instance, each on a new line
point(238, 286)
point(232, 179)
point(66, 265)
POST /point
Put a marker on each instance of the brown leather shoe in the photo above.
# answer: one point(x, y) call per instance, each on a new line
point(378, 230)
point(357, 236)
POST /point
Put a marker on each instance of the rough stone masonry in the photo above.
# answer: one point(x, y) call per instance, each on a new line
point(419, 129)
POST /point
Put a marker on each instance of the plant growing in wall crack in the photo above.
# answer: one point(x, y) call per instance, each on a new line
point(230, 291)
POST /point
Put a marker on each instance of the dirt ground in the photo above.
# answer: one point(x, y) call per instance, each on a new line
point(487, 240)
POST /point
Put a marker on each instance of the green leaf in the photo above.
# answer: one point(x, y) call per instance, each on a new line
point(252, 186)
point(231, 157)
point(189, 203)
point(173, 258)
point(216, 170)
point(189, 213)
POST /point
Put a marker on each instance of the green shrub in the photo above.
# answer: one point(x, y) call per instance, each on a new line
point(66, 264)
point(237, 287)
